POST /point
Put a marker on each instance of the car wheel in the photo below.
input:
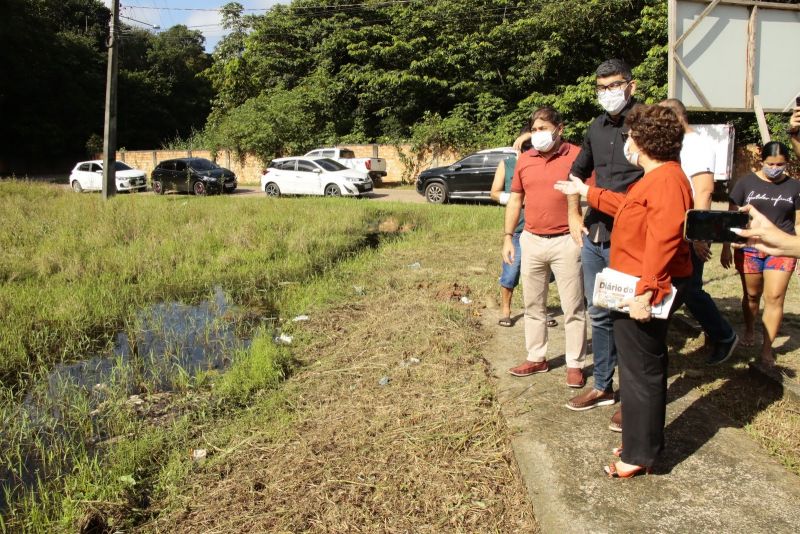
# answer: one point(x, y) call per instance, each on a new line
point(158, 187)
point(199, 188)
point(332, 190)
point(272, 190)
point(436, 193)
point(76, 186)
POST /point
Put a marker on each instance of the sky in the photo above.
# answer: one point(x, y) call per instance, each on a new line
point(168, 13)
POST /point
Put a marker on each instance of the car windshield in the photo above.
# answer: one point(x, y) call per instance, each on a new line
point(202, 165)
point(329, 164)
point(119, 166)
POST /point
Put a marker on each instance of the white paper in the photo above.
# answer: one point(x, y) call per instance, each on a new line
point(612, 288)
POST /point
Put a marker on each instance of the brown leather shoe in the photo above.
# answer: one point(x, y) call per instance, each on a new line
point(575, 377)
point(616, 421)
point(529, 368)
point(591, 399)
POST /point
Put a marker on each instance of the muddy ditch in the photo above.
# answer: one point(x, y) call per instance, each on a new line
point(147, 374)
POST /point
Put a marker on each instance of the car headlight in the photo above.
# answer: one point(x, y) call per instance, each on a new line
point(210, 178)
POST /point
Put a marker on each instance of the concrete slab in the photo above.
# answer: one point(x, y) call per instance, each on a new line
point(711, 478)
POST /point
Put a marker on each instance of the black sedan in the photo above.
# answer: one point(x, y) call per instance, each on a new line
point(467, 179)
point(192, 175)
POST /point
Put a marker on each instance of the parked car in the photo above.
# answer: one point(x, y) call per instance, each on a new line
point(192, 175)
point(88, 176)
point(467, 178)
point(374, 167)
point(313, 176)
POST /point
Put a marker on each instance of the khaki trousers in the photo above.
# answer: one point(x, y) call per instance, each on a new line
point(562, 256)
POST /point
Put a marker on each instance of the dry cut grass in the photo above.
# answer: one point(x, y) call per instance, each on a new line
point(426, 452)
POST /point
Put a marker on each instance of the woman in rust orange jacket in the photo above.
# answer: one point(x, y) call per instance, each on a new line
point(647, 242)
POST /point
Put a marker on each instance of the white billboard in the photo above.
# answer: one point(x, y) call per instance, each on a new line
point(725, 53)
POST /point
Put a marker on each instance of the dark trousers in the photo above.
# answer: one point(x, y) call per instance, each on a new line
point(703, 307)
point(642, 358)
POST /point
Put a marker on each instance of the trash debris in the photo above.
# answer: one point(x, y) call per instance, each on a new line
point(410, 362)
point(134, 400)
point(466, 300)
point(415, 265)
point(384, 381)
point(198, 455)
point(359, 290)
point(454, 293)
point(301, 318)
point(283, 339)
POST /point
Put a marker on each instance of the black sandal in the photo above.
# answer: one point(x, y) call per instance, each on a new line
point(506, 321)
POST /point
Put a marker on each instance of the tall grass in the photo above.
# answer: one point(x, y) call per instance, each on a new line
point(75, 271)
point(73, 268)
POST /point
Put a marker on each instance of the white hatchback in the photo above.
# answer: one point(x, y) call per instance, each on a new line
point(88, 176)
point(313, 176)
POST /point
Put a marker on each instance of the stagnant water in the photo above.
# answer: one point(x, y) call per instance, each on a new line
point(171, 341)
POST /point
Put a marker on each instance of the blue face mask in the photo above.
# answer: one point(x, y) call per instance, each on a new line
point(773, 173)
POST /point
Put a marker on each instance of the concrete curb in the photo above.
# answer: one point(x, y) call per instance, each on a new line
point(711, 478)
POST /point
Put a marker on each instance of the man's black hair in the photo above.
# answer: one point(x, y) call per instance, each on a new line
point(612, 67)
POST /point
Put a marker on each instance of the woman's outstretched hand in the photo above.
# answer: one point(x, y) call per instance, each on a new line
point(573, 186)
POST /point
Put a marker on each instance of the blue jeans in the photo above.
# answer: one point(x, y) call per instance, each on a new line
point(509, 278)
point(702, 305)
point(595, 258)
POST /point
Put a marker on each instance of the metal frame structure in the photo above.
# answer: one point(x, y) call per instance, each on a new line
point(676, 64)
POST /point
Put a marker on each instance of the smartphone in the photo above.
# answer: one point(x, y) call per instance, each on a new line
point(714, 225)
point(797, 101)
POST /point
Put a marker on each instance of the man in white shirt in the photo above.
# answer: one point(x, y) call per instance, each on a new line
point(698, 162)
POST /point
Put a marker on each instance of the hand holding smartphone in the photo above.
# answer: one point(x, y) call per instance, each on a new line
point(714, 226)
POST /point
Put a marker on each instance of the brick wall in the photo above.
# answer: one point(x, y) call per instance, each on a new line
point(400, 162)
point(247, 169)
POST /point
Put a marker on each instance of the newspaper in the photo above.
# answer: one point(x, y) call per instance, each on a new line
point(612, 288)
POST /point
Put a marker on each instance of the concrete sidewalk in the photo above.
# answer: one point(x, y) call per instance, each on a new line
point(711, 478)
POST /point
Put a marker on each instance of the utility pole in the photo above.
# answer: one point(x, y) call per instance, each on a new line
point(110, 129)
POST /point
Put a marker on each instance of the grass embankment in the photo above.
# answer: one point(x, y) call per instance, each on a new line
point(76, 270)
point(752, 402)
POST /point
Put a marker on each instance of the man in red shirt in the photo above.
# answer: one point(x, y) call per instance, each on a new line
point(547, 245)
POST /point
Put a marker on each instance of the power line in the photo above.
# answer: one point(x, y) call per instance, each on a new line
point(385, 3)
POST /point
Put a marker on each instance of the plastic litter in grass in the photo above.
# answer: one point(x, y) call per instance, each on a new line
point(466, 300)
point(283, 339)
point(384, 381)
point(300, 318)
point(410, 362)
point(415, 265)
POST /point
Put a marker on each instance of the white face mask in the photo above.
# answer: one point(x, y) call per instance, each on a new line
point(543, 140)
point(613, 100)
point(632, 157)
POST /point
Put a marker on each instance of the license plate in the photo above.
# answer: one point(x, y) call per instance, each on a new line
point(367, 187)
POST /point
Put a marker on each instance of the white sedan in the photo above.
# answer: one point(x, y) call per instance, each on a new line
point(313, 176)
point(88, 176)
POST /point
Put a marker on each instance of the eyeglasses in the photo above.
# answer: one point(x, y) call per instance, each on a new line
point(611, 87)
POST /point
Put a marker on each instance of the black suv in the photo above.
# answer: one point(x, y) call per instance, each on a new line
point(192, 175)
point(468, 178)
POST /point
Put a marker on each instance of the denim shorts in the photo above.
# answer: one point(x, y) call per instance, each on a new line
point(509, 278)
